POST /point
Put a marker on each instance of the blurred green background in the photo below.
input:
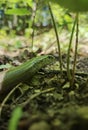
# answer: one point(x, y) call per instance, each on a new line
point(23, 21)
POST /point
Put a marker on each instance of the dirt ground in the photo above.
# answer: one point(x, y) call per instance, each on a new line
point(49, 102)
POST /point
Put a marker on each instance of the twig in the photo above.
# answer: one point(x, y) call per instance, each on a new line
point(7, 97)
point(34, 96)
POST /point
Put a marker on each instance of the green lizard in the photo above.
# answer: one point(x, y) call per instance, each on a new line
point(23, 73)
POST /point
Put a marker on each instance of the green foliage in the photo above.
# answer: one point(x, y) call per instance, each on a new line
point(73, 5)
point(29, 2)
point(19, 11)
point(16, 115)
point(62, 17)
point(17, 7)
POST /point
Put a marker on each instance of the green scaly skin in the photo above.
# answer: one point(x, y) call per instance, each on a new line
point(23, 73)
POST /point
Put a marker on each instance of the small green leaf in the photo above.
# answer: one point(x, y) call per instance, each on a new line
point(17, 11)
point(14, 1)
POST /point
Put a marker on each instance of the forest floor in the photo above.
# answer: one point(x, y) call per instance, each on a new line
point(48, 102)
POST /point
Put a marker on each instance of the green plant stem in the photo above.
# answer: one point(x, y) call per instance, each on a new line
point(69, 49)
point(76, 47)
point(57, 37)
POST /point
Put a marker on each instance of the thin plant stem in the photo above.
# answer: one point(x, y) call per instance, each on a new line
point(69, 49)
point(7, 97)
point(76, 47)
point(57, 37)
point(33, 22)
point(24, 104)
